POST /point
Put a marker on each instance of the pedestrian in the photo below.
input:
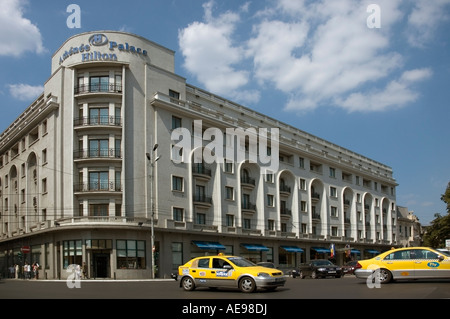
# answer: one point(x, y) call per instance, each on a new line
point(85, 271)
point(16, 268)
point(77, 272)
point(36, 270)
point(12, 270)
point(28, 271)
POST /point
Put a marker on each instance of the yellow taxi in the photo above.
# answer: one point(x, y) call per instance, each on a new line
point(404, 263)
point(228, 271)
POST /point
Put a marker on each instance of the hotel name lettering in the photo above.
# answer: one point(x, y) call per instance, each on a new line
point(88, 53)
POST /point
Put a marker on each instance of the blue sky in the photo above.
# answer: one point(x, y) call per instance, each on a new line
point(374, 81)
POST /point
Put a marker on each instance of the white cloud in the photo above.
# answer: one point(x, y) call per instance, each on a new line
point(424, 19)
point(25, 92)
point(318, 53)
point(397, 93)
point(18, 34)
point(210, 53)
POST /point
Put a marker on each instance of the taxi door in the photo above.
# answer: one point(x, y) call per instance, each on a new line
point(400, 264)
point(428, 265)
point(222, 273)
point(200, 271)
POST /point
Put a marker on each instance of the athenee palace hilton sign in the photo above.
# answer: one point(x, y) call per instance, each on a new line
point(100, 40)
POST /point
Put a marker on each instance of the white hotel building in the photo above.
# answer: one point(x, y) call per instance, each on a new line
point(80, 180)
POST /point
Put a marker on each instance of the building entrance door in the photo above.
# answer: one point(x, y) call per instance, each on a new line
point(101, 265)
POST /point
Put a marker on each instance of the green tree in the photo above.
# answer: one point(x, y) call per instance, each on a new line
point(439, 230)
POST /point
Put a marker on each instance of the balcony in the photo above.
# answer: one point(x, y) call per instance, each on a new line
point(97, 88)
point(98, 186)
point(203, 200)
point(248, 207)
point(110, 153)
point(106, 120)
point(200, 170)
point(285, 190)
point(285, 213)
point(248, 182)
point(315, 197)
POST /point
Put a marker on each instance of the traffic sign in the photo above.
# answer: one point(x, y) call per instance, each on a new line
point(25, 249)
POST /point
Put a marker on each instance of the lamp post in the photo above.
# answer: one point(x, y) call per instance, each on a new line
point(152, 212)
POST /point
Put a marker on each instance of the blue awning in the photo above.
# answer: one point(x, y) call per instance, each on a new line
point(372, 251)
point(355, 251)
point(321, 250)
point(292, 249)
point(208, 245)
point(255, 247)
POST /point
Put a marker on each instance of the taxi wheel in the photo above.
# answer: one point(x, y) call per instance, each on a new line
point(302, 276)
point(247, 284)
point(188, 284)
point(384, 276)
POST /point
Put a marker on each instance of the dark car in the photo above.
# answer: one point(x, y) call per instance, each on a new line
point(349, 267)
point(318, 268)
point(266, 264)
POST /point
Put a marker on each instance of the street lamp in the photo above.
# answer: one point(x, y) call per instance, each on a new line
point(152, 163)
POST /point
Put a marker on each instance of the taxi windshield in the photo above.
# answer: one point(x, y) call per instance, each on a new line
point(241, 262)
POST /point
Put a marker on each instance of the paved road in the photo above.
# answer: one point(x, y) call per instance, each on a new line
point(348, 287)
point(328, 297)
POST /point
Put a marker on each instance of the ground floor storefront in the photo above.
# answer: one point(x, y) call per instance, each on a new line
point(126, 252)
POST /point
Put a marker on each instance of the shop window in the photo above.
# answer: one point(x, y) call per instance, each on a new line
point(131, 254)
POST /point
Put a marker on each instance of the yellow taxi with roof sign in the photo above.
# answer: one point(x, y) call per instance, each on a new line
point(405, 263)
point(228, 271)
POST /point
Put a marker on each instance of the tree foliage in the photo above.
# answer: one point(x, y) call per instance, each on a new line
point(439, 230)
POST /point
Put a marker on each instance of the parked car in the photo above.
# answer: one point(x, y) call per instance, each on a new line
point(349, 267)
point(405, 263)
point(266, 264)
point(228, 271)
point(318, 268)
point(445, 251)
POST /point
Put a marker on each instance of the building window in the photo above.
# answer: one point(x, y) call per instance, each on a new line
point(301, 162)
point(99, 116)
point(229, 193)
point(270, 202)
point(131, 254)
point(44, 156)
point(98, 148)
point(72, 253)
point(44, 185)
point(177, 183)
point(230, 220)
point(247, 223)
point(178, 214)
point(176, 122)
point(174, 95)
point(98, 209)
point(200, 219)
point(98, 181)
point(303, 206)
point(302, 184)
point(334, 231)
point(177, 255)
point(99, 84)
point(334, 211)
point(332, 172)
point(271, 224)
point(228, 167)
point(333, 192)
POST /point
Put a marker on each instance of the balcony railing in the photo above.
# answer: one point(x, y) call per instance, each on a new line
point(97, 153)
point(106, 120)
point(97, 88)
point(100, 186)
point(198, 198)
point(248, 180)
point(248, 206)
point(201, 169)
